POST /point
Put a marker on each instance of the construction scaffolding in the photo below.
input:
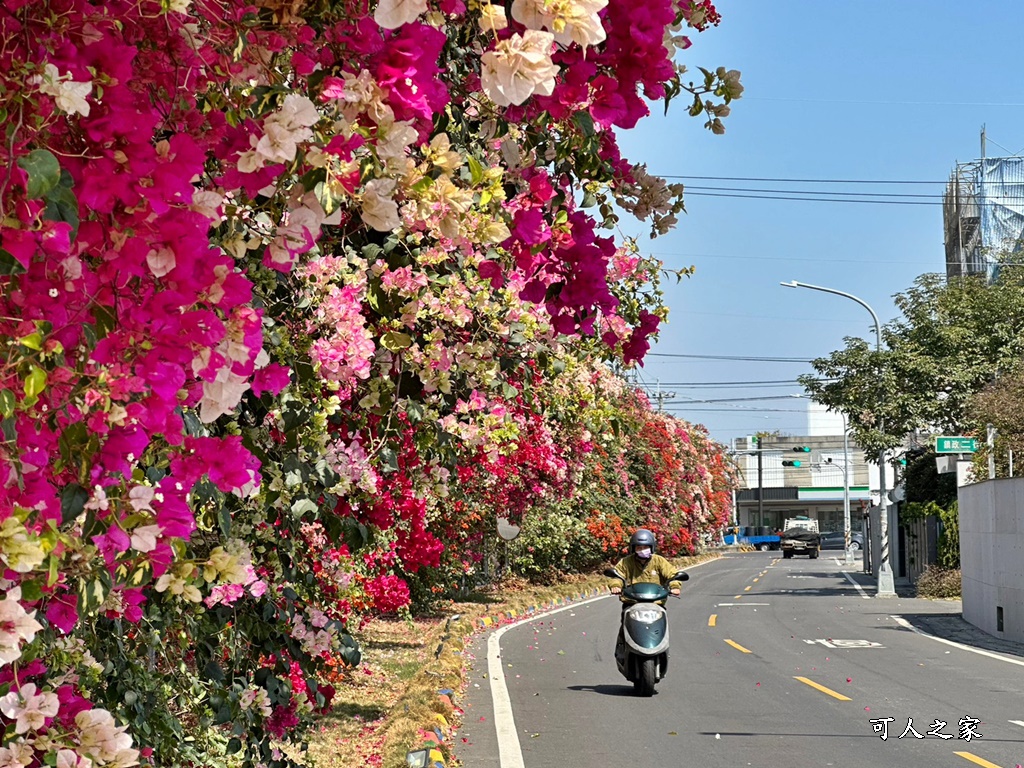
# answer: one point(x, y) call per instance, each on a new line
point(983, 215)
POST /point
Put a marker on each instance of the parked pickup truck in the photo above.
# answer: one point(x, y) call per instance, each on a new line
point(800, 541)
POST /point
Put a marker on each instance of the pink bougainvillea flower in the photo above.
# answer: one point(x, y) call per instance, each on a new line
point(62, 612)
point(272, 378)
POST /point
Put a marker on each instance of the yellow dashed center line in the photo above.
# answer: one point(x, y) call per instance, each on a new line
point(822, 688)
point(712, 619)
point(756, 580)
point(746, 589)
point(737, 646)
point(737, 597)
point(976, 760)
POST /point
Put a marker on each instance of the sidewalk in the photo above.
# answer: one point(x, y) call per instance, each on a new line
point(941, 618)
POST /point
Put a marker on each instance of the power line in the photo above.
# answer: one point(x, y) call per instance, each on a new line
point(690, 387)
point(789, 258)
point(689, 188)
point(815, 199)
point(733, 357)
point(742, 399)
point(720, 383)
point(737, 411)
point(807, 181)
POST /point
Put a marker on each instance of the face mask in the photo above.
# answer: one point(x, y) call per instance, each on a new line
point(643, 552)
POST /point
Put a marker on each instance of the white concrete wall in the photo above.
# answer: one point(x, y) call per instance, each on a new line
point(992, 555)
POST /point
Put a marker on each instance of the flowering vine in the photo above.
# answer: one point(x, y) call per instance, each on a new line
point(278, 278)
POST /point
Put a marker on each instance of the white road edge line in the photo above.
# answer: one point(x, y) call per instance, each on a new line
point(907, 625)
point(1018, 722)
point(510, 752)
point(860, 589)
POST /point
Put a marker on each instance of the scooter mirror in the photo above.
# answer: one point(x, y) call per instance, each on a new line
point(611, 573)
point(681, 576)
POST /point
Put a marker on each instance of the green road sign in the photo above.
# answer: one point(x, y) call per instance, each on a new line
point(956, 445)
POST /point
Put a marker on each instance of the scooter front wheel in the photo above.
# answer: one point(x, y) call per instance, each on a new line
point(644, 683)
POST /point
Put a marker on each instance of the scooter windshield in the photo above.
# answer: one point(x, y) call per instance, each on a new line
point(645, 592)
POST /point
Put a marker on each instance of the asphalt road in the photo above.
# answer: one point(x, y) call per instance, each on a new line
point(774, 663)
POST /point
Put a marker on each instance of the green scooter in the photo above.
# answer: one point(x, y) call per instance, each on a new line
point(641, 651)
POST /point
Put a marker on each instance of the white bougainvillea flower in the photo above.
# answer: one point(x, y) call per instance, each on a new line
point(391, 14)
point(492, 18)
point(221, 395)
point(379, 211)
point(144, 537)
point(518, 68)
point(103, 740)
point(29, 709)
point(161, 261)
point(570, 21)
point(284, 130)
point(16, 624)
point(69, 95)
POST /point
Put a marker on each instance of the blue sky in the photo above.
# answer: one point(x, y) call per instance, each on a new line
point(844, 89)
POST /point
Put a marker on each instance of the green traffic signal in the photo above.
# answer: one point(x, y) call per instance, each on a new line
point(792, 463)
point(802, 449)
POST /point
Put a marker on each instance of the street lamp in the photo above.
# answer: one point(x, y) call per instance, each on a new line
point(886, 584)
point(846, 488)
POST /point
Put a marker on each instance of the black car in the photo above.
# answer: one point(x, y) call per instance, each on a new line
point(834, 540)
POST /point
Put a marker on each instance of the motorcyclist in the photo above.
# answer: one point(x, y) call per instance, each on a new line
point(643, 565)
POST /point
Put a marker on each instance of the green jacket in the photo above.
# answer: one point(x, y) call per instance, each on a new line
point(657, 570)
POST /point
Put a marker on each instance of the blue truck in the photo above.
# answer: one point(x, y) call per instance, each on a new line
point(758, 537)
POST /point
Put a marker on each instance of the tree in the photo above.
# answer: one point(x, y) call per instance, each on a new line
point(953, 339)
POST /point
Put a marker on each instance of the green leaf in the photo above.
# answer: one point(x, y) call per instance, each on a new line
point(7, 403)
point(105, 320)
point(32, 341)
point(389, 459)
point(137, 576)
point(585, 123)
point(234, 745)
point(394, 341)
point(415, 412)
point(43, 172)
point(323, 196)
point(224, 519)
point(31, 590)
point(92, 593)
point(509, 391)
point(62, 205)
point(10, 429)
point(9, 265)
point(212, 671)
point(476, 170)
point(35, 383)
point(303, 507)
point(72, 502)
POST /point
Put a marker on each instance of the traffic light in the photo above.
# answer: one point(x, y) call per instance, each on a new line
point(797, 449)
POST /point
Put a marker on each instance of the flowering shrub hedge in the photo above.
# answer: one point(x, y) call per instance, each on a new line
point(286, 287)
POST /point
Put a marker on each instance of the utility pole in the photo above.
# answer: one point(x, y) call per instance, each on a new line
point(886, 587)
point(760, 484)
point(661, 397)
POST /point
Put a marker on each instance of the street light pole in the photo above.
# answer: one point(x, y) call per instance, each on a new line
point(846, 489)
point(886, 584)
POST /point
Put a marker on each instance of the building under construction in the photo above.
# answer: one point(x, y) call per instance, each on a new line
point(983, 215)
